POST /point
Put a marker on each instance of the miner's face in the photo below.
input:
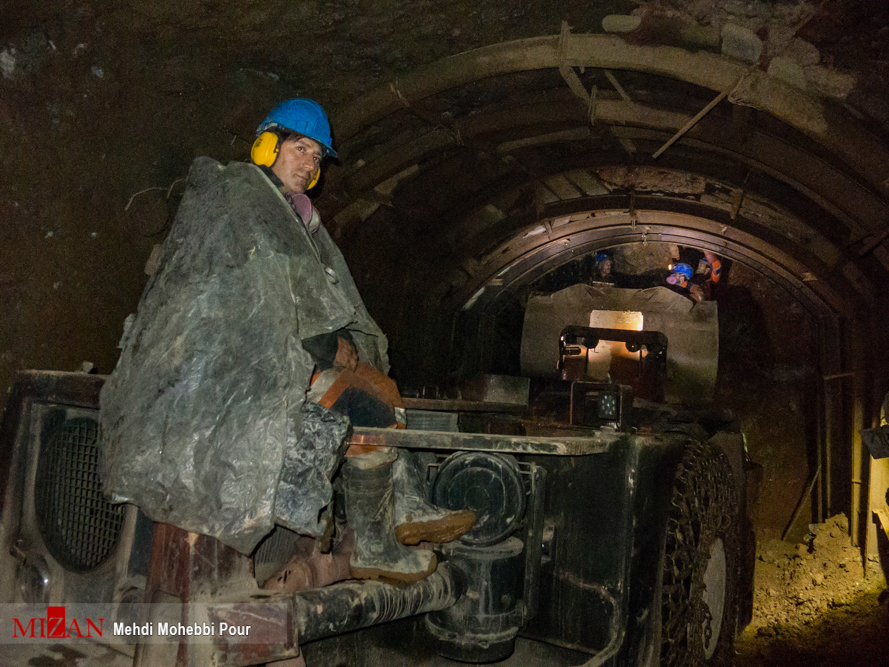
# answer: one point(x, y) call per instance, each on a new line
point(298, 161)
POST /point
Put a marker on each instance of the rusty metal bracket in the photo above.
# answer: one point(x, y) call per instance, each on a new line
point(571, 78)
point(694, 121)
point(619, 88)
point(597, 442)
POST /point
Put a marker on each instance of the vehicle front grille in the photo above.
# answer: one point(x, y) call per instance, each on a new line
point(79, 526)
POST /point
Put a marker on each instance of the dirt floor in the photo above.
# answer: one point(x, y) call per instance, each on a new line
point(814, 605)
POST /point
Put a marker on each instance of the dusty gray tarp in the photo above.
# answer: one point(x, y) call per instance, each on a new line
point(309, 468)
point(212, 371)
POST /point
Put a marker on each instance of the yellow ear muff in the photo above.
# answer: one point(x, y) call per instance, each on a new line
point(315, 180)
point(265, 149)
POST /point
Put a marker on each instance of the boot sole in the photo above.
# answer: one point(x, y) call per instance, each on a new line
point(443, 530)
point(406, 577)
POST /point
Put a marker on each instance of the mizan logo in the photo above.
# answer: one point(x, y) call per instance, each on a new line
point(56, 626)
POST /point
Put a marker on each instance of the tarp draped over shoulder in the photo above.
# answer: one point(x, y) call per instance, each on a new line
point(212, 374)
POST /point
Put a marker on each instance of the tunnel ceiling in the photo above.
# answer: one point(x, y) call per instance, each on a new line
point(492, 167)
point(473, 157)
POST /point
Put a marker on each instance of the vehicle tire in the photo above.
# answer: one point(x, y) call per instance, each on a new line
point(701, 562)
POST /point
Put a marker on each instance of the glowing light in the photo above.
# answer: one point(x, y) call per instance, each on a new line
point(599, 358)
point(628, 320)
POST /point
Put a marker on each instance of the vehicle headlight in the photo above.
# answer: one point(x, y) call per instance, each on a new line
point(33, 579)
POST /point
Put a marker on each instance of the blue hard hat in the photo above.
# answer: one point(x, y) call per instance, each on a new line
point(684, 269)
point(304, 117)
point(603, 255)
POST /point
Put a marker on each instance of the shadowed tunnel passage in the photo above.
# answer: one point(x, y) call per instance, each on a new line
point(464, 184)
point(488, 169)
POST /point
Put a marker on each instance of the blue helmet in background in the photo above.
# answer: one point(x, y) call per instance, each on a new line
point(304, 117)
point(603, 255)
point(684, 269)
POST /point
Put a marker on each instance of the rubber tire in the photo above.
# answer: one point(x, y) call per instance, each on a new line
point(703, 492)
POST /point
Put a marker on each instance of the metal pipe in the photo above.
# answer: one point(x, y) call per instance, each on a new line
point(802, 501)
point(703, 112)
point(837, 376)
point(861, 335)
point(351, 606)
point(821, 419)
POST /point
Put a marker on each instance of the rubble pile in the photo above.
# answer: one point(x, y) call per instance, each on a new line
point(815, 592)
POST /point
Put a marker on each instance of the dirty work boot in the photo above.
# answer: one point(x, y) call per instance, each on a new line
point(415, 519)
point(370, 511)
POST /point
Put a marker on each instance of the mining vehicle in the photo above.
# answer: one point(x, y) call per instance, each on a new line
point(610, 528)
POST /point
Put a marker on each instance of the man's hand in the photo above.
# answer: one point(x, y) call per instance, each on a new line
point(346, 355)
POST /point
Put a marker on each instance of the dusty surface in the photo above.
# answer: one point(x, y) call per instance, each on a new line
point(813, 605)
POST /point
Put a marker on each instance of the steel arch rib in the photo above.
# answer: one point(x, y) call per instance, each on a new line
point(835, 130)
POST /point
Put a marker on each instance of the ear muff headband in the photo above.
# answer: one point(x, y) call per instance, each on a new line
point(265, 153)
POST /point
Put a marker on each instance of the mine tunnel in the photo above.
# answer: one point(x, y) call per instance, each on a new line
point(486, 153)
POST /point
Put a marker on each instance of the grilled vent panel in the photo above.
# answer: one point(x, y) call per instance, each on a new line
point(79, 526)
point(273, 552)
point(428, 420)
